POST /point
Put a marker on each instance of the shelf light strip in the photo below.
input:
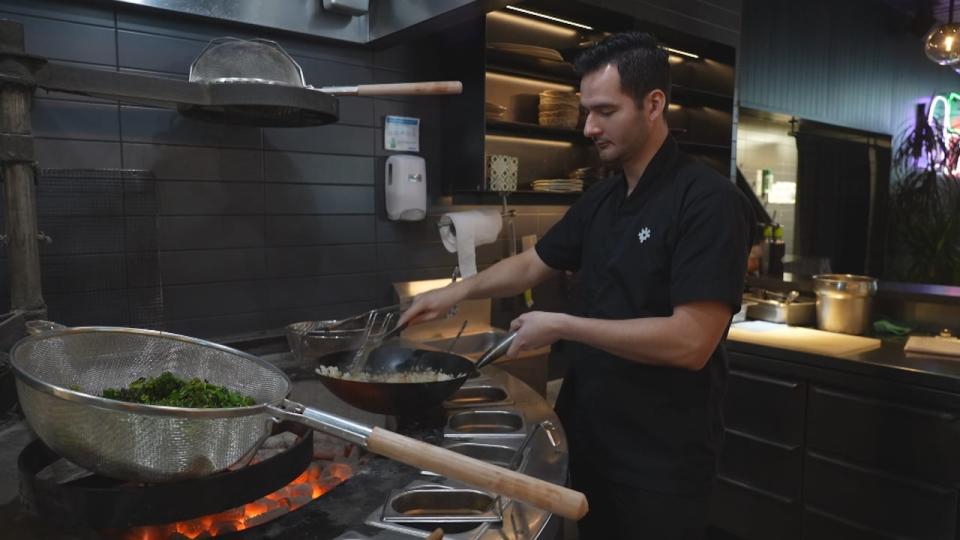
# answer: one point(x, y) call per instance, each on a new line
point(549, 17)
point(529, 140)
point(682, 53)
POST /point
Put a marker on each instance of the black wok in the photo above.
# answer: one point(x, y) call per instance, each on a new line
point(404, 398)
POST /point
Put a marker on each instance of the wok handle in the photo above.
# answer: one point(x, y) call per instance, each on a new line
point(496, 351)
point(397, 89)
point(542, 494)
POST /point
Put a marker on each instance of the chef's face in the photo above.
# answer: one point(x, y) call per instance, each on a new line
point(618, 125)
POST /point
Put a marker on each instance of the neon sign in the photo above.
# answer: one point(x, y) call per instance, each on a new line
point(951, 136)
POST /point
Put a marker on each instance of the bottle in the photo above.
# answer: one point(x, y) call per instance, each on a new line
point(767, 184)
point(765, 254)
point(778, 248)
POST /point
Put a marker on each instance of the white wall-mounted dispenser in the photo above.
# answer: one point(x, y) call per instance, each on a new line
point(405, 188)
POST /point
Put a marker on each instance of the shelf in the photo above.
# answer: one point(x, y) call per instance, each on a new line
point(501, 127)
point(517, 197)
point(689, 96)
point(531, 67)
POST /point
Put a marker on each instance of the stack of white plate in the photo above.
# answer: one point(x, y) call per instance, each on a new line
point(559, 108)
point(494, 111)
point(558, 185)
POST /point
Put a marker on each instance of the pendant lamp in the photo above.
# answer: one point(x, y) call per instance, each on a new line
point(942, 43)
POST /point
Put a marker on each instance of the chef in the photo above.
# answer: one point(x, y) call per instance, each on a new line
point(661, 251)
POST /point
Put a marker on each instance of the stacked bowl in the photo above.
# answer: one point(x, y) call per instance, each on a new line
point(559, 108)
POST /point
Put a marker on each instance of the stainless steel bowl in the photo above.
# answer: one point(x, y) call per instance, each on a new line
point(231, 60)
point(844, 302)
point(312, 339)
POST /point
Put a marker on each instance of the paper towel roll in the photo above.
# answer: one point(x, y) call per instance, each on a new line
point(462, 232)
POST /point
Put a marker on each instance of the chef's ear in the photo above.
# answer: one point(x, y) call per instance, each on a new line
point(655, 104)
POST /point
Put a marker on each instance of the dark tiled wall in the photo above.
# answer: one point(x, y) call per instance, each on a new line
point(876, 72)
point(256, 228)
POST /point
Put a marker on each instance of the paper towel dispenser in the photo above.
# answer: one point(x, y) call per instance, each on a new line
point(405, 188)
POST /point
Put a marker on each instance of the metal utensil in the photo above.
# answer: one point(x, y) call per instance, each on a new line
point(61, 373)
point(456, 339)
point(229, 60)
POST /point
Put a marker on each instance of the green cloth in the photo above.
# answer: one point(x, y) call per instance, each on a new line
point(884, 326)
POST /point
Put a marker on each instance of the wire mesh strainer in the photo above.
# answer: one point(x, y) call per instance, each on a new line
point(60, 375)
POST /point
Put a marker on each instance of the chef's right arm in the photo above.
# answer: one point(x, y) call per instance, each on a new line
point(509, 277)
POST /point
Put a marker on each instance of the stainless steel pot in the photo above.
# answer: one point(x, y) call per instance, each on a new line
point(844, 302)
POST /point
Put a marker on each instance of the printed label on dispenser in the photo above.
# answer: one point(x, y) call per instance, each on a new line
point(401, 133)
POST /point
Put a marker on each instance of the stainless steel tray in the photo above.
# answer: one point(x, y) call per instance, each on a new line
point(800, 312)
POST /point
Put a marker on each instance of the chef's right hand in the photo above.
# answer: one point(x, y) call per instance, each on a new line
point(431, 305)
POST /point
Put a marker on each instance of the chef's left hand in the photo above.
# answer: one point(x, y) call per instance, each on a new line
point(534, 330)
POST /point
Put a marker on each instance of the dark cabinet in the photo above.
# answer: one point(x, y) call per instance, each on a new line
point(879, 501)
point(765, 406)
point(819, 525)
point(760, 472)
point(748, 512)
point(815, 454)
point(901, 437)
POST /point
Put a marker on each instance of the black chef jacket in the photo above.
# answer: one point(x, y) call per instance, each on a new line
point(682, 236)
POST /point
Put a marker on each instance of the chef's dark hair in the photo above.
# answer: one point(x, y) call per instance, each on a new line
point(642, 62)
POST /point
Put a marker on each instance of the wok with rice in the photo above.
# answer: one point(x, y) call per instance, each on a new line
point(401, 380)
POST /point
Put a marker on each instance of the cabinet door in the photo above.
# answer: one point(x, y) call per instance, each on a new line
point(878, 501)
point(765, 406)
point(905, 437)
point(752, 514)
point(819, 525)
point(771, 467)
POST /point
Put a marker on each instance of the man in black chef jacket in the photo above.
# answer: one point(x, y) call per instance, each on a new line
point(661, 249)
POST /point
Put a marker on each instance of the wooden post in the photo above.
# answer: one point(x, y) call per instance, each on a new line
point(17, 174)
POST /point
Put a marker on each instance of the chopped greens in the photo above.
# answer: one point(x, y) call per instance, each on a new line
point(171, 391)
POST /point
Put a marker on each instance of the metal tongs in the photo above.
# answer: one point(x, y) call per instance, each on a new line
point(371, 317)
point(373, 339)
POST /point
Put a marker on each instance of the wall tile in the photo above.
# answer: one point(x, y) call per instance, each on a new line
point(318, 168)
point(157, 53)
point(57, 40)
point(97, 308)
point(220, 326)
point(210, 232)
point(210, 266)
point(302, 292)
point(210, 299)
point(82, 273)
point(179, 198)
point(193, 162)
point(328, 73)
point(312, 230)
point(312, 199)
point(319, 260)
point(62, 10)
point(75, 120)
point(143, 124)
point(73, 154)
point(329, 139)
